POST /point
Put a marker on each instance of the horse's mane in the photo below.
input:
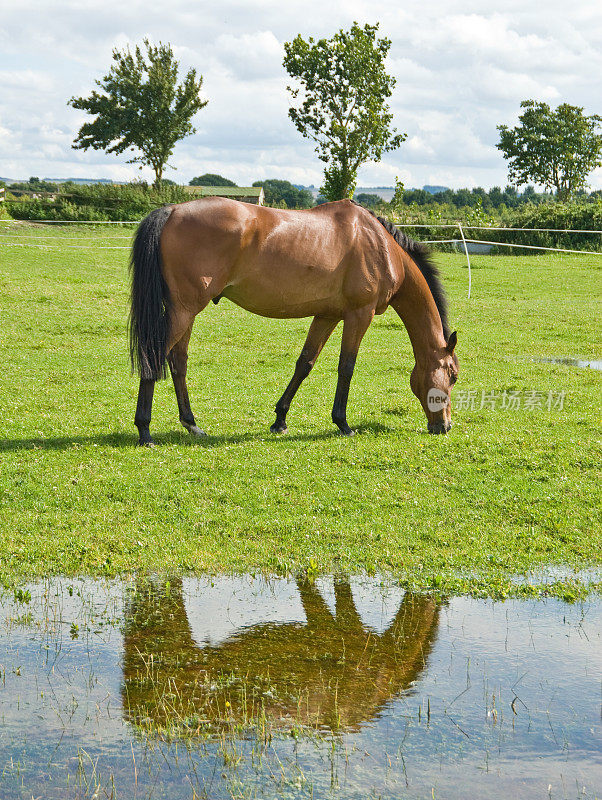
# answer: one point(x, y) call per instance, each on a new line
point(421, 256)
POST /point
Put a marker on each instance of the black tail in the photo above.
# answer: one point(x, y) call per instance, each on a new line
point(150, 302)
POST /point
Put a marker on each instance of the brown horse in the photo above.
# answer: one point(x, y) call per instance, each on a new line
point(334, 262)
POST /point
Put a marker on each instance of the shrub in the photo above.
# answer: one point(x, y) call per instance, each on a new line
point(559, 217)
point(585, 214)
point(97, 202)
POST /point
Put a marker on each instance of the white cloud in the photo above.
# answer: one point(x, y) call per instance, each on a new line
point(251, 56)
point(491, 39)
point(460, 72)
point(497, 84)
point(26, 80)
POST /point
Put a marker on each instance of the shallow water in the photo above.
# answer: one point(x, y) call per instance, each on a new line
point(573, 362)
point(244, 687)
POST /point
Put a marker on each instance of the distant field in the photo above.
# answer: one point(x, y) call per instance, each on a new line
point(506, 491)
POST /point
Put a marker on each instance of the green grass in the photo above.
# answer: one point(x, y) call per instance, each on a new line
point(505, 492)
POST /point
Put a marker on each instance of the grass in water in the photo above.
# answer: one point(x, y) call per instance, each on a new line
point(506, 492)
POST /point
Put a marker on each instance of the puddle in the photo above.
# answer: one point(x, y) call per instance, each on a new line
point(246, 687)
point(543, 577)
point(585, 577)
point(572, 362)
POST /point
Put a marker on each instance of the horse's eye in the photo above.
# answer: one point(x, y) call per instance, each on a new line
point(453, 379)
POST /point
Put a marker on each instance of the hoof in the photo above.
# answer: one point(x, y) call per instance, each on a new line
point(347, 431)
point(147, 443)
point(278, 428)
point(194, 429)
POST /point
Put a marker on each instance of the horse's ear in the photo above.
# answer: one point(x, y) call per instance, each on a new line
point(452, 342)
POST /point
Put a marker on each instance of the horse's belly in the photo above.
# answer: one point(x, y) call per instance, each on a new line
point(278, 305)
point(288, 293)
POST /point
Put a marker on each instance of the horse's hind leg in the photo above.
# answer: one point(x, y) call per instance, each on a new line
point(319, 331)
point(182, 328)
point(143, 412)
point(178, 365)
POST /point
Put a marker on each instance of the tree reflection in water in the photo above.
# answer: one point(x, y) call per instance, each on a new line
point(330, 672)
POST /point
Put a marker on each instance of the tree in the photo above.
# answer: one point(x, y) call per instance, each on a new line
point(557, 149)
point(141, 107)
point(511, 198)
point(279, 191)
point(529, 195)
point(209, 179)
point(368, 200)
point(343, 103)
point(463, 198)
point(35, 185)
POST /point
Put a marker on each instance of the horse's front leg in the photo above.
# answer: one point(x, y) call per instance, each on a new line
point(319, 331)
point(354, 327)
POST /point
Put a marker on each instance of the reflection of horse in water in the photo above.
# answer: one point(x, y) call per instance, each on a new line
point(329, 672)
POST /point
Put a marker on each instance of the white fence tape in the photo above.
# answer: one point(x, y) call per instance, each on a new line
point(70, 221)
point(535, 247)
point(50, 238)
point(467, 259)
point(53, 238)
point(66, 246)
point(489, 227)
point(399, 224)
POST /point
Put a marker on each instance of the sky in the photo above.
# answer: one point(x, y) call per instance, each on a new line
point(462, 68)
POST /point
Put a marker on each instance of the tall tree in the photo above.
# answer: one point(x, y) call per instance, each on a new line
point(141, 107)
point(557, 149)
point(342, 102)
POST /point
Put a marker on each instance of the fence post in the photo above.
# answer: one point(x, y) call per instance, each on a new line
point(467, 259)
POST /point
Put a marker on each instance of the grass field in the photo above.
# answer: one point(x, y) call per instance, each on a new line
point(507, 491)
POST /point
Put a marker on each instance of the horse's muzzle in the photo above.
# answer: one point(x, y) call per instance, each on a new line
point(439, 427)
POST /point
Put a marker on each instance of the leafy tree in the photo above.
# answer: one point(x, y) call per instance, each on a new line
point(463, 197)
point(141, 107)
point(343, 103)
point(511, 197)
point(34, 185)
point(496, 197)
point(418, 196)
point(529, 195)
point(368, 200)
point(209, 179)
point(557, 149)
point(445, 196)
point(398, 196)
point(279, 191)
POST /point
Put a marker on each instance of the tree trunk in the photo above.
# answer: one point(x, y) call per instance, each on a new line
point(563, 193)
point(158, 169)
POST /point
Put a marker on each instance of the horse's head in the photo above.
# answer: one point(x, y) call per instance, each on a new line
point(432, 383)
